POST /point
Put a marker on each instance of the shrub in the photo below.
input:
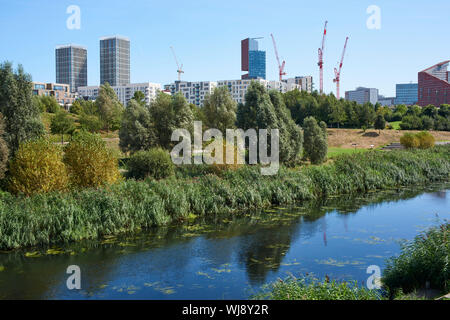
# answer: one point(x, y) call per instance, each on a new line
point(37, 167)
point(312, 289)
point(409, 140)
point(315, 145)
point(4, 151)
point(90, 123)
point(154, 163)
point(424, 259)
point(76, 108)
point(426, 140)
point(90, 162)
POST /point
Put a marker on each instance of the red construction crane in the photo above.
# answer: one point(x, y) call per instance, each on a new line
point(321, 57)
point(179, 69)
point(282, 65)
point(337, 73)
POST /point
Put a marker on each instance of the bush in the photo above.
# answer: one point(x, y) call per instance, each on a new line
point(154, 163)
point(315, 143)
point(90, 162)
point(76, 108)
point(4, 151)
point(422, 140)
point(424, 259)
point(37, 167)
point(312, 289)
point(409, 140)
point(426, 140)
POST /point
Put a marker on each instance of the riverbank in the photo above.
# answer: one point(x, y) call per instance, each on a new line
point(134, 205)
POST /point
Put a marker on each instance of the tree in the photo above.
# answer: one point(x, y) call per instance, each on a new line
point(4, 152)
point(21, 115)
point(263, 110)
point(380, 123)
point(49, 104)
point(76, 108)
point(139, 97)
point(90, 123)
point(90, 163)
point(337, 114)
point(169, 113)
point(137, 131)
point(315, 141)
point(220, 110)
point(109, 108)
point(366, 115)
point(37, 167)
point(62, 124)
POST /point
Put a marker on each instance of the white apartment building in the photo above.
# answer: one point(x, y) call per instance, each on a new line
point(194, 92)
point(305, 82)
point(238, 88)
point(124, 93)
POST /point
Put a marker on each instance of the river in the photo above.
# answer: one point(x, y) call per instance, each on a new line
point(231, 257)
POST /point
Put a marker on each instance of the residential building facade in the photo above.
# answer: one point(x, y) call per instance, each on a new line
point(124, 93)
point(194, 92)
point(434, 86)
point(305, 82)
point(115, 61)
point(71, 66)
point(386, 101)
point(60, 91)
point(406, 93)
point(253, 60)
point(362, 95)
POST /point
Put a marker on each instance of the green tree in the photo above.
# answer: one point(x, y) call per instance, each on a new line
point(337, 115)
point(380, 123)
point(169, 113)
point(315, 141)
point(62, 124)
point(139, 97)
point(220, 110)
point(49, 104)
point(366, 115)
point(4, 151)
point(21, 115)
point(90, 123)
point(109, 108)
point(76, 107)
point(137, 131)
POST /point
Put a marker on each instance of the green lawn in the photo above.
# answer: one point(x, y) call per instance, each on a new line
point(335, 151)
point(395, 125)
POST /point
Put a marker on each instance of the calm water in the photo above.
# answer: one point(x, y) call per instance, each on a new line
point(230, 257)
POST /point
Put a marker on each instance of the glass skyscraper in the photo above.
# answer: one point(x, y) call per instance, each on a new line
point(253, 60)
point(71, 66)
point(407, 94)
point(115, 61)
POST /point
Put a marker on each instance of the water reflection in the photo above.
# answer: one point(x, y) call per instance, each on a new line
point(223, 256)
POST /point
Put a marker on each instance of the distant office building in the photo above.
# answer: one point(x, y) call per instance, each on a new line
point(124, 93)
point(406, 93)
point(115, 61)
point(71, 66)
point(386, 101)
point(434, 86)
point(238, 88)
point(305, 83)
point(194, 92)
point(60, 91)
point(252, 59)
point(362, 95)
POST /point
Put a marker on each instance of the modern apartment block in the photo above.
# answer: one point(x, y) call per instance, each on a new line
point(434, 85)
point(386, 101)
point(362, 95)
point(305, 82)
point(115, 61)
point(194, 92)
point(238, 88)
point(124, 93)
point(71, 66)
point(407, 93)
point(60, 91)
point(252, 59)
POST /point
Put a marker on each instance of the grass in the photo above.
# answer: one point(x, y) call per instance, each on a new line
point(424, 259)
point(133, 205)
point(395, 125)
point(333, 152)
point(312, 289)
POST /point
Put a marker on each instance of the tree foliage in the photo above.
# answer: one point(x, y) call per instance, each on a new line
point(21, 115)
point(90, 162)
point(220, 110)
point(316, 143)
point(154, 163)
point(37, 167)
point(109, 108)
point(62, 124)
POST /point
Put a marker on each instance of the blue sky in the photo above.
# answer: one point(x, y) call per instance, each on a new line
point(206, 36)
